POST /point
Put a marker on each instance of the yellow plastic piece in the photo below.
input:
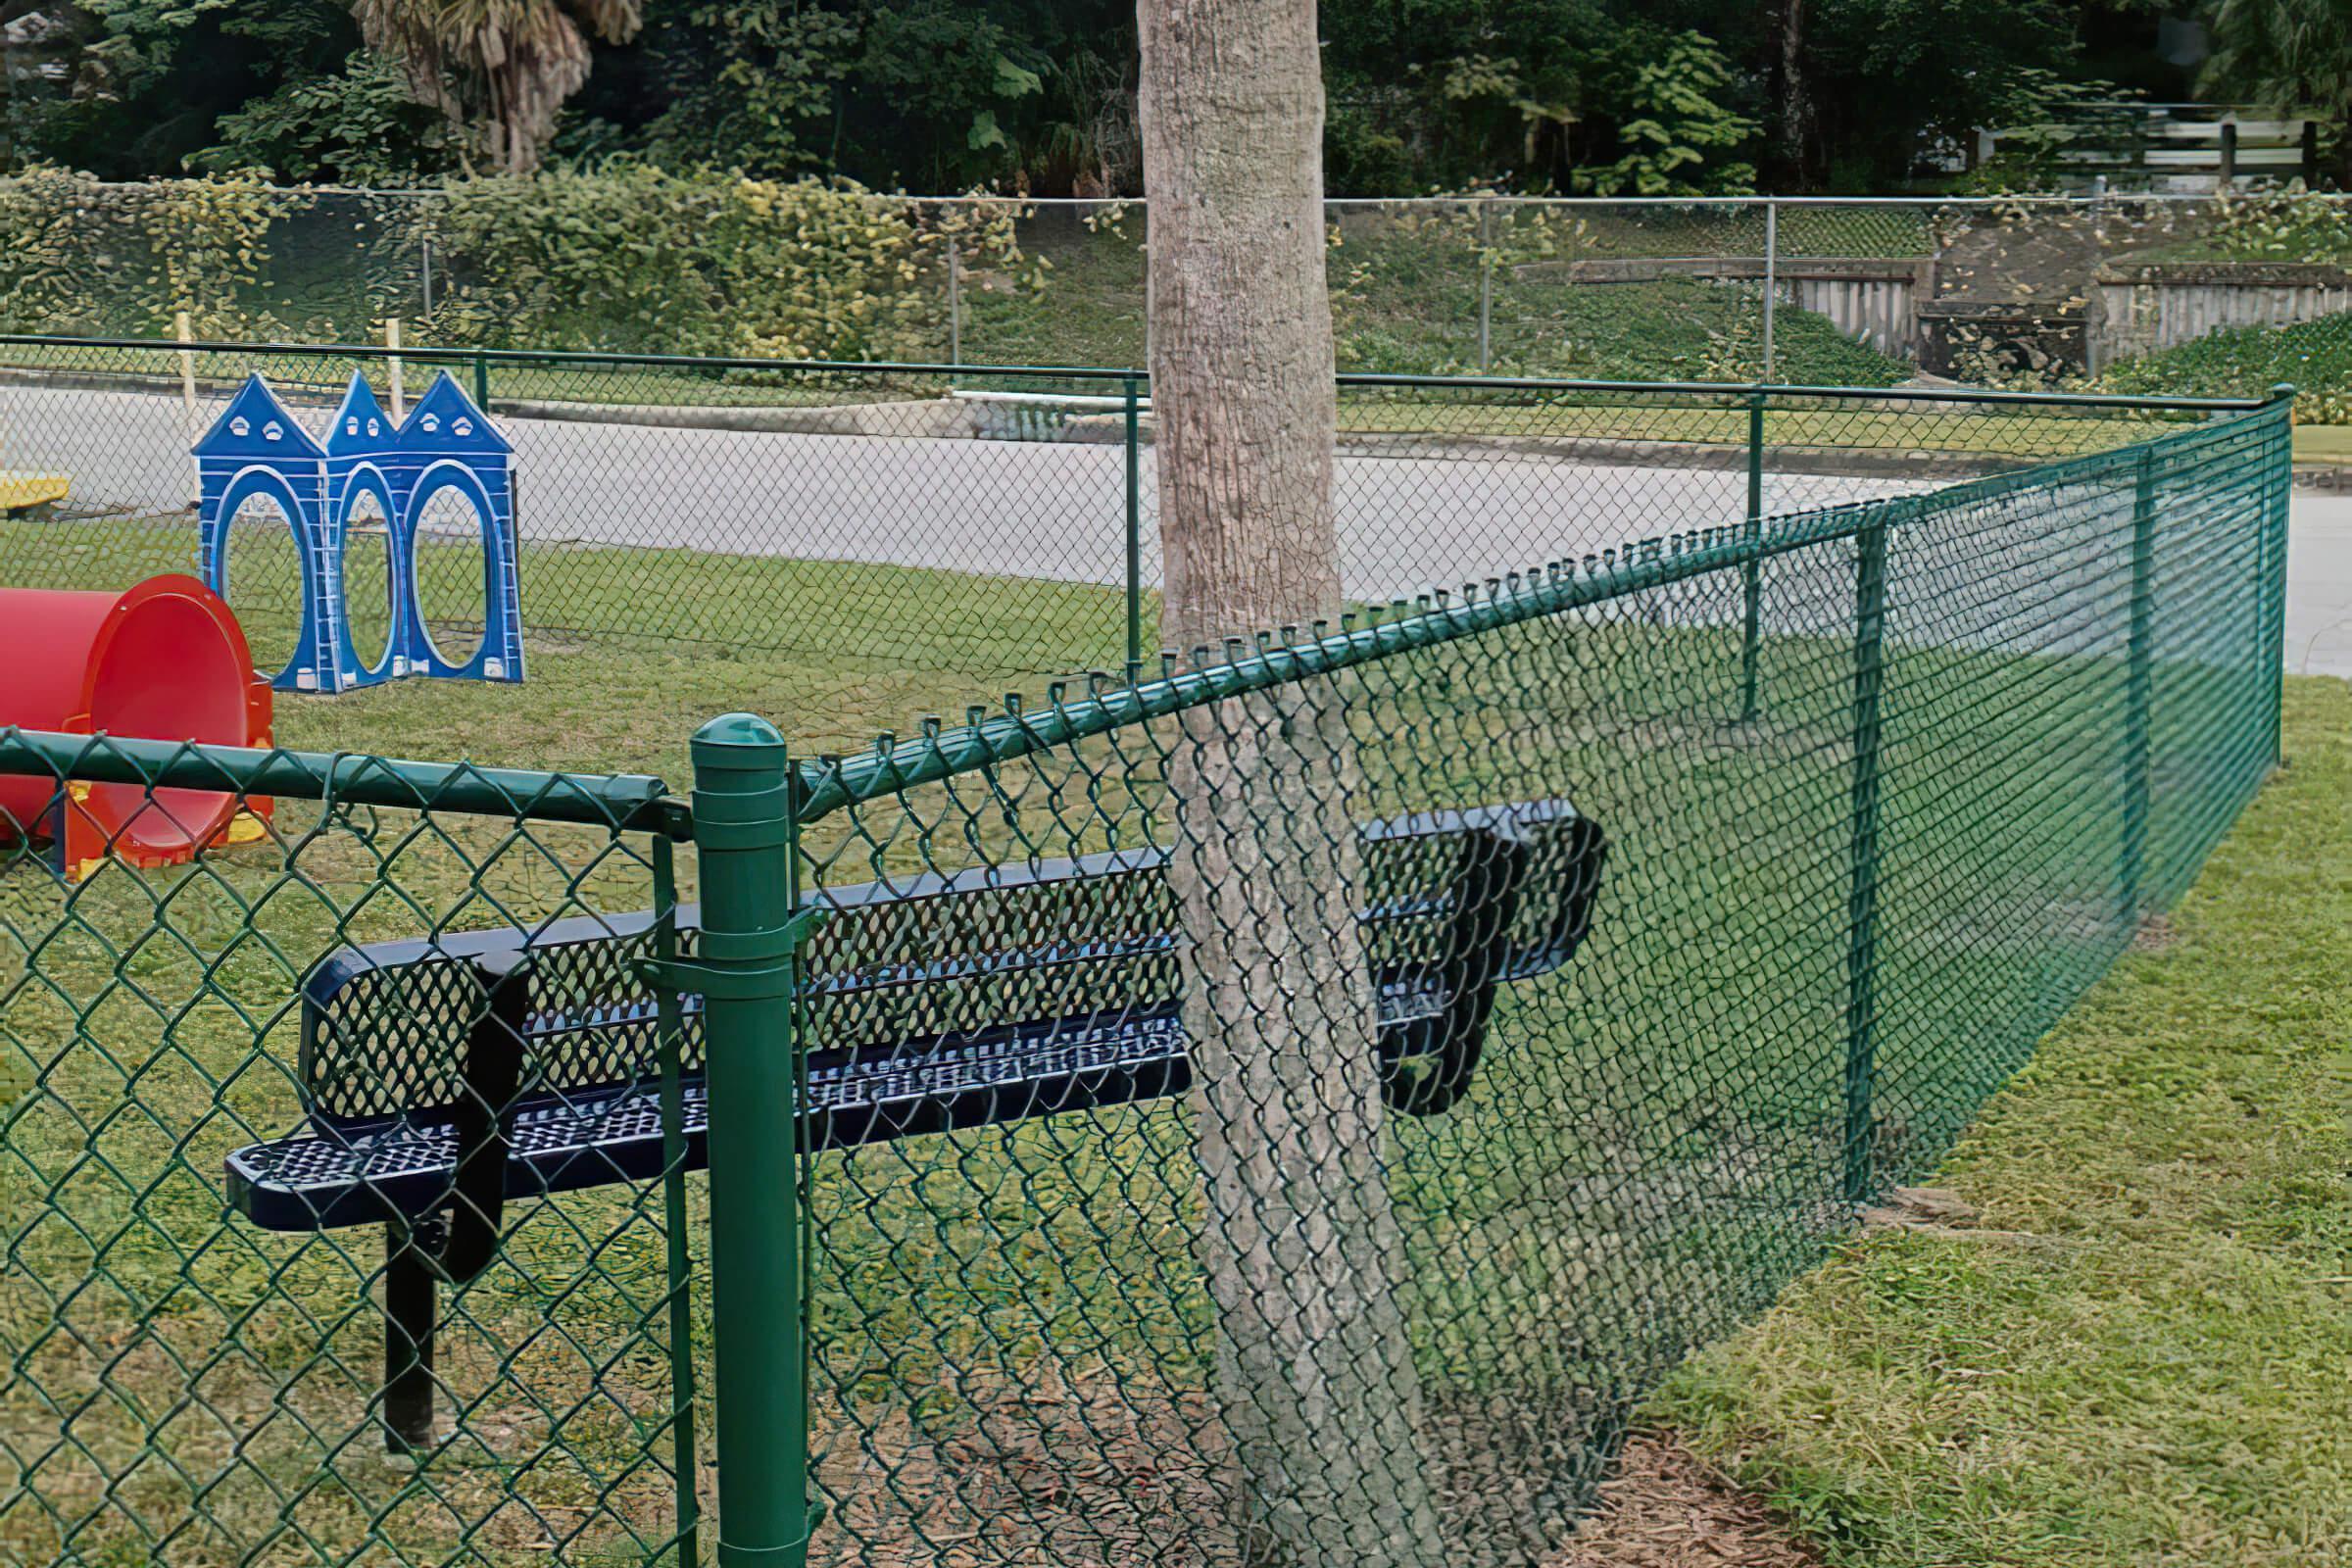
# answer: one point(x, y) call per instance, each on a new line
point(246, 828)
point(18, 490)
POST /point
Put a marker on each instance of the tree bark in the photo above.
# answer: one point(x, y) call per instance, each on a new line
point(1800, 132)
point(1298, 1245)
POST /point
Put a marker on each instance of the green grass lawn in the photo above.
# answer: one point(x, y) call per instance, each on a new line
point(1991, 430)
point(2324, 444)
point(325, 376)
point(2151, 1371)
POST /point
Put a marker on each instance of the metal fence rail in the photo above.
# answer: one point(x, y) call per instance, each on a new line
point(772, 505)
point(1149, 1153)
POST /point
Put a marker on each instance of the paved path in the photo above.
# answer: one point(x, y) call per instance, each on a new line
point(1049, 510)
point(2319, 584)
point(1023, 509)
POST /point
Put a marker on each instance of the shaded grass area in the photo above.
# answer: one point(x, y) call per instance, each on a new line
point(2150, 1372)
point(314, 375)
point(1409, 304)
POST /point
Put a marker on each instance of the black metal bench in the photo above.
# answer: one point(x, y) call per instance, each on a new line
point(454, 1075)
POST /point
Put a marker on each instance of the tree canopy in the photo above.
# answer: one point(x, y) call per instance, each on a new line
point(1606, 96)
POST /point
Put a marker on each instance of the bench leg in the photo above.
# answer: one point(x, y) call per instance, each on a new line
point(408, 1310)
point(417, 1253)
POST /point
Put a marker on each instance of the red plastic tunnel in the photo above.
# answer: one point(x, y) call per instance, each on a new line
point(166, 661)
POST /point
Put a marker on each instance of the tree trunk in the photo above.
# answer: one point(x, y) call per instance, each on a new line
point(1298, 1245)
point(1800, 135)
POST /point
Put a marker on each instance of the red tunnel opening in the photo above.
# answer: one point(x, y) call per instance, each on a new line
point(166, 661)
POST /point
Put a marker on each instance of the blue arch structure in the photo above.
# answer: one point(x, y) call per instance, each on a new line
point(447, 444)
point(366, 478)
point(257, 448)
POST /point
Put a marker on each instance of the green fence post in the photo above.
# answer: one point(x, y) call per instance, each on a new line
point(1135, 534)
point(1751, 571)
point(2281, 497)
point(745, 840)
point(2139, 692)
point(481, 382)
point(1862, 889)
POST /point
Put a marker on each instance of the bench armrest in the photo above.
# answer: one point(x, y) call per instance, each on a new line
point(493, 1073)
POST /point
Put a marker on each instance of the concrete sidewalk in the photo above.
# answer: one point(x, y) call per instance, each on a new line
point(2319, 584)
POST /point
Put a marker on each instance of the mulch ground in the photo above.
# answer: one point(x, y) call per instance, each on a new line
point(1666, 1507)
point(1081, 1472)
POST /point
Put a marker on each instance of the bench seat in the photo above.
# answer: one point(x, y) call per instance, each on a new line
point(386, 1026)
point(562, 1143)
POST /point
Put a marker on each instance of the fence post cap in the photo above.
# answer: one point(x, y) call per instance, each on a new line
point(2283, 391)
point(736, 755)
point(735, 731)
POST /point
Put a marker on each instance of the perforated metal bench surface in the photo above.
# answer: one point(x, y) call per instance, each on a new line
point(927, 1005)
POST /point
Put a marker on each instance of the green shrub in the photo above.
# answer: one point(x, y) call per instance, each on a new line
point(50, 271)
point(2316, 356)
point(2289, 226)
point(634, 258)
point(84, 256)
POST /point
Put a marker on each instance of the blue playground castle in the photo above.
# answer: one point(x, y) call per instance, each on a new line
point(257, 449)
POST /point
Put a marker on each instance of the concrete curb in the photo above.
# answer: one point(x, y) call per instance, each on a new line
point(929, 419)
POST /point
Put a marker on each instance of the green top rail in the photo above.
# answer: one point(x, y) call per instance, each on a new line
point(832, 784)
point(631, 801)
point(1066, 373)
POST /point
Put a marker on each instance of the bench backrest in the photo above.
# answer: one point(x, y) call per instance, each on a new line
point(384, 1026)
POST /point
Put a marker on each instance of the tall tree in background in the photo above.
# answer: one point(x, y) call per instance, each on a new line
point(2292, 55)
point(1798, 131)
point(1298, 1245)
point(500, 69)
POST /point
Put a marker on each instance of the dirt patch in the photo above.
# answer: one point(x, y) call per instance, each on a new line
point(1665, 1507)
point(2155, 935)
point(1094, 1469)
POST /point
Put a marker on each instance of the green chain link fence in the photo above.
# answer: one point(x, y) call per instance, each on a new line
point(1001, 520)
point(1287, 1108)
point(184, 1386)
point(2124, 291)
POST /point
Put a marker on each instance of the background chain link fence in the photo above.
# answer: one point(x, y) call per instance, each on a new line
point(1287, 1107)
point(2219, 295)
point(990, 520)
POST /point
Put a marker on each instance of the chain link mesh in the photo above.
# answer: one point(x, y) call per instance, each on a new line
point(974, 520)
point(1311, 1308)
point(1289, 1110)
point(189, 1384)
